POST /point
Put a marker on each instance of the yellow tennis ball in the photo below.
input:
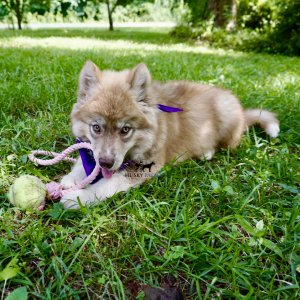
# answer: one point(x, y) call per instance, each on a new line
point(27, 192)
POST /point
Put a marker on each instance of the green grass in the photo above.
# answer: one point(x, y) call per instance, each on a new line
point(228, 228)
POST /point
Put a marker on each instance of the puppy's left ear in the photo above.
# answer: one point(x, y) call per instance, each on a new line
point(139, 79)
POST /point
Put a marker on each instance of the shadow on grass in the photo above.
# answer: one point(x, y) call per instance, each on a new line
point(156, 36)
point(27, 84)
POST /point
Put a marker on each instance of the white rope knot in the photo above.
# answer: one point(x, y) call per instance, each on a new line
point(54, 190)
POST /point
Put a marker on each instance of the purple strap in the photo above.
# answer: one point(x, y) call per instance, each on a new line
point(87, 156)
point(168, 109)
point(88, 162)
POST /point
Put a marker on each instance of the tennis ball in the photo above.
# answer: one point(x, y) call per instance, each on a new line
point(27, 192)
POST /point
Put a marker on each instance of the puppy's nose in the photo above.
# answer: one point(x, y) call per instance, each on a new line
point(106, 162)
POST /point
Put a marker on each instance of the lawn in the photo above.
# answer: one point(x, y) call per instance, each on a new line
point(227, 228)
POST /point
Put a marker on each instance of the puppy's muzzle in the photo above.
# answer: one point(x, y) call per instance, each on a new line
point(106, 162)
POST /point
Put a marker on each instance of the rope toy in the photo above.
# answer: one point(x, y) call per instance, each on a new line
point(29, 192)
point(54, 189)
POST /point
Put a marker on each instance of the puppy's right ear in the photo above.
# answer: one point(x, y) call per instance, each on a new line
point(139, 79)
point(89, 79)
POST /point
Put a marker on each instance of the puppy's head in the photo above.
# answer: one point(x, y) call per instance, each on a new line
point(114, 113)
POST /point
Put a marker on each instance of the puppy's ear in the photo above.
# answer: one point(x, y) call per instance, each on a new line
point(139, 79)
point(89, 79)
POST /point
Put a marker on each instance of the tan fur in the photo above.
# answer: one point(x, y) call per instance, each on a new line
point(211, 117)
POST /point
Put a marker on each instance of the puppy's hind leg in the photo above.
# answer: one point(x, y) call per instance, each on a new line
point(205, 141)
point(209, 154)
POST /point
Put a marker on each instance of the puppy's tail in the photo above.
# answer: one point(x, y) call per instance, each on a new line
point(265, 119)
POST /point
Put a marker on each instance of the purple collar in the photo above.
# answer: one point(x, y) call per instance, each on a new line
point(87, 156)
point(169, 109)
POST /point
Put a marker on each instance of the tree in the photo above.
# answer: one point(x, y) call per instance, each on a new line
point(111, 6)
point(222, 10)
point(17, 7)
point(110, 10)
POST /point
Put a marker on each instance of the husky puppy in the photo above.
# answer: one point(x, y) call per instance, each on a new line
point(118, 113)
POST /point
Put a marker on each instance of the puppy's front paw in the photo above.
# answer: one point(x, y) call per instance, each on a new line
point(70, 203)
point(74, 199)
point(68, 181)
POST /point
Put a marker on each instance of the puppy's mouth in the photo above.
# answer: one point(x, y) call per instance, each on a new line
point(107, 173)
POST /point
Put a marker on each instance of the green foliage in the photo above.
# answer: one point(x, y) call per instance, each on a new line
point(4, 10)
point(198, 11)
point(263, 26)
point(40, 7)
point(78, 7)
point(257, 14)
point(286, 36)
point(242, 40)
point(18, 294)
point(50, 11)
point(221, 229)
point(143, 12)
point(182, 32)
point(203, 32)
point(10, 271)
point(15, 9)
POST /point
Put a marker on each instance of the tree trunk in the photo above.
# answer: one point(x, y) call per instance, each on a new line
point(110, 19)
point(19, 19)
point(19, 13)
point(218, 7)
point(233, 10)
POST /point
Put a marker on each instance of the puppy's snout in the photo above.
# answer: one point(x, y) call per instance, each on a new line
point(106, 162)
